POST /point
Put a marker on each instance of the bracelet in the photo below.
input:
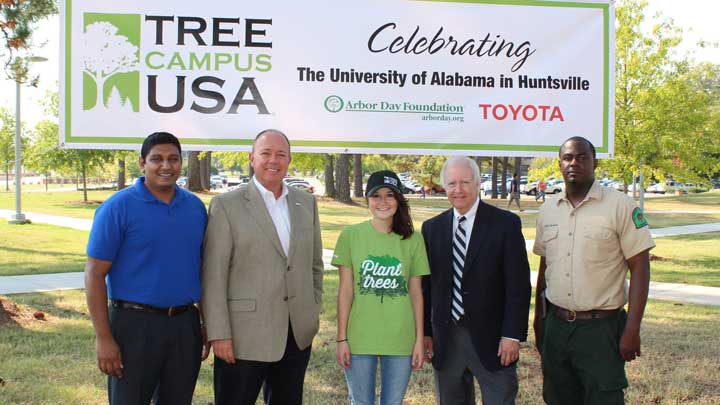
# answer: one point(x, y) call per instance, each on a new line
point(343, 340)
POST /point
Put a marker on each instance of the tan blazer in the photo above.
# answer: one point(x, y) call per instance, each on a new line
point(249, 287)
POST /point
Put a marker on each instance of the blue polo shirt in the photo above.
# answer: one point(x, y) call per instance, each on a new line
point(155, 248)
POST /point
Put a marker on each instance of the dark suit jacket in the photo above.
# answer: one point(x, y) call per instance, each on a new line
point(495, 283)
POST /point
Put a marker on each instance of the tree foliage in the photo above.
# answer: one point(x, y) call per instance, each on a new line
point(7, 143)
point(18, 20)
point(661, 113)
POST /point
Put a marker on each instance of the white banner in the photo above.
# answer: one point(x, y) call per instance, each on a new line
point(482, 77)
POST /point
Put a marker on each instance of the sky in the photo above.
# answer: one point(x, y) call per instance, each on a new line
point(697, 18)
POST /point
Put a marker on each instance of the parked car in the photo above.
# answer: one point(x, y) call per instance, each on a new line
point(530, 188)
point(487, 188)
point(656, 188)
point(412, 185)
point(434, 189)
point(555, 186)
point(302, 185)
point(216, 181)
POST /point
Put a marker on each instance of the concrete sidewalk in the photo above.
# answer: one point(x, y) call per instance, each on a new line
point(686, 293)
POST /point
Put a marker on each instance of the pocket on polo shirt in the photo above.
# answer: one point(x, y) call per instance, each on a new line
point(241, 305)
point(550, 241)
point(600, 243)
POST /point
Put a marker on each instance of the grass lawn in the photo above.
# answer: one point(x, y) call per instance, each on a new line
point(687, 259)
point(39, 248)
point(53, 361)
point(709, 201)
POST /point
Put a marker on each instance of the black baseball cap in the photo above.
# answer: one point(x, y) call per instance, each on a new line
point(380, 179)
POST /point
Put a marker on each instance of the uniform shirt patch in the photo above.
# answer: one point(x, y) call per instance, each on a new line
point(639, 218)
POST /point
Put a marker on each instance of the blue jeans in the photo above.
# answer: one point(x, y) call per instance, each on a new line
point(394, 377)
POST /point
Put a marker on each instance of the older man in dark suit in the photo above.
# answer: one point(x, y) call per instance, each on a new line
point(477, 296)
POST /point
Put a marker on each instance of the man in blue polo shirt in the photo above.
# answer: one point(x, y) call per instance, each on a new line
point(144, 254)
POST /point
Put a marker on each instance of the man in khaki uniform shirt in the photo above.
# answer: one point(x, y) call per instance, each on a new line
point(588, 239)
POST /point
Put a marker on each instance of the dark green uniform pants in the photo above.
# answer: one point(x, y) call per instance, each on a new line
point(581, 361)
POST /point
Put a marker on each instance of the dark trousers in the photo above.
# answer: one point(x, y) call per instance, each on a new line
point(581, 360)
point(160, 357)
point(453, 381)
point(239, 383)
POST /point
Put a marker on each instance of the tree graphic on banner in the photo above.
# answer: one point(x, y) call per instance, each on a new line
point(106, 53)
point(382, 276)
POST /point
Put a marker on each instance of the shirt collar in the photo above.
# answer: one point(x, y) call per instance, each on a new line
point(147, 196)
point(265, 193)
point(595, 193)
point(470, 215)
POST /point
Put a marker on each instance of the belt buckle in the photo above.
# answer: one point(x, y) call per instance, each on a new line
point(571, 313)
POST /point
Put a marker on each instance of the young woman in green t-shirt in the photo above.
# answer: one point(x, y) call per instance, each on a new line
point(380, 304)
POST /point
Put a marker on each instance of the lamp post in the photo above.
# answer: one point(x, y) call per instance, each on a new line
point(19, 217)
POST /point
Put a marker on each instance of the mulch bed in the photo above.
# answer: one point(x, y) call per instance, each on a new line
point(10, 313)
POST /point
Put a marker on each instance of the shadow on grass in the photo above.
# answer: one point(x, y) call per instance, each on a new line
point(708, 199)
point(709, 236)
point(24, 268)
point(38, 252)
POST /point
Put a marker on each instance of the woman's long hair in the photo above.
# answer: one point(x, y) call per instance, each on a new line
point(402, 221)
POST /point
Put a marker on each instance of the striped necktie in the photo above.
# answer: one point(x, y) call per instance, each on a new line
point(458, 259)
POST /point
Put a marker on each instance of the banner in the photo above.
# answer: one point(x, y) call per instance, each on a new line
point(463, 77)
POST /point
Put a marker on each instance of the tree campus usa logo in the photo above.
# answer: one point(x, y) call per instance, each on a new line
point(110, 56)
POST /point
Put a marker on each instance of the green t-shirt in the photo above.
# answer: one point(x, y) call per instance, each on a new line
point(381, 318)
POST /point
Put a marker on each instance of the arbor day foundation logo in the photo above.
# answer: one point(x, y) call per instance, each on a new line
point(110, 54)
point(382, 276)
point(334, 104)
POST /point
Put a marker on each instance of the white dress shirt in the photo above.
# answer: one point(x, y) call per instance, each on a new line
point(469, 220)
point(279, 212)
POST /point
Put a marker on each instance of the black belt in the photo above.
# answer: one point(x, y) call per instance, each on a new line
point(568, 315)
point(170, 311)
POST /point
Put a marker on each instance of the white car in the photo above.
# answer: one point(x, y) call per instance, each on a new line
point(555, 186)
point(412, 185)
point(656, 188)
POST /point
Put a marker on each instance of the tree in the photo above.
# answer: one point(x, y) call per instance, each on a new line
point(307, 162)
point(123, 157)
point(660, 116)
point(205, 166)
point(43, 155)
point(544, 168)
point(194, 183)
point(7, 143)
point(233, 160)
point(105, 53)
point(503, 180)
point(342, 178)
point(357, 176)
point(18, 20)
point(493, 178)
point(329, 176)
point(429, 167)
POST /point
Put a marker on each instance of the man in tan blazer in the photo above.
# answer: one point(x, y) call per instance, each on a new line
point(262, 281)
